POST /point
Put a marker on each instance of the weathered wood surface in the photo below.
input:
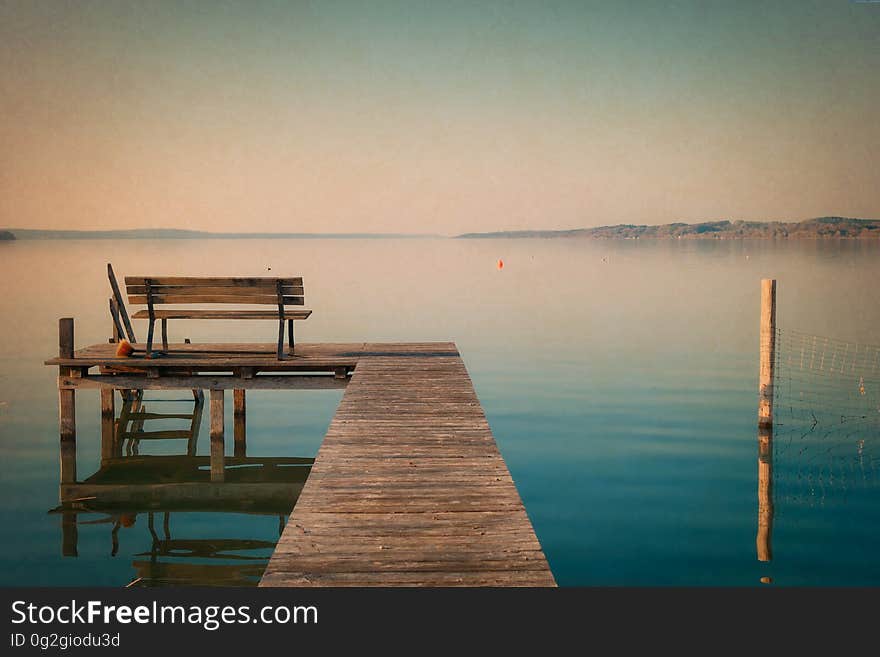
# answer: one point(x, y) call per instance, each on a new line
point(164, 290)
point(220, 357)
point(158, 298)
point(409, 488)
point(767, 350)
point(223, 314)
point(204, 382)
point(190, 281)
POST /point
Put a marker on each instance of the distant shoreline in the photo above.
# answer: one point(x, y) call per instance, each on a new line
point(819, 228)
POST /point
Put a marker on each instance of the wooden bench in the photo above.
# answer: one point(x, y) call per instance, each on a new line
point(156, 291)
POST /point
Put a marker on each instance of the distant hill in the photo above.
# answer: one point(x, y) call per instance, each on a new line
point(175, 234)
point(820, 228)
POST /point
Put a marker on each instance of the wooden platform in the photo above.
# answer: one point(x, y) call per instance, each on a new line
point(408, 488)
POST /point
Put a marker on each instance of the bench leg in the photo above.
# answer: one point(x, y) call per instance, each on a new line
point(164, 334)
point(281, 339)
point(290, 341)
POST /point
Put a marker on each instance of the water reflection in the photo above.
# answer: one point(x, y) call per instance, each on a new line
point(765, 493)
point(137, 497)
point(606, 384)
point(819, 423)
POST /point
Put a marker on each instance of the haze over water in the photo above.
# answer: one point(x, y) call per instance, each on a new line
point(619, 379)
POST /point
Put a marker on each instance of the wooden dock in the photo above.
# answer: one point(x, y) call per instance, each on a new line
point(408, 487)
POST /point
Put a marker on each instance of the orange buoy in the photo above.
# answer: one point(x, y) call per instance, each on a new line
point(500, 264)
point(124, 350)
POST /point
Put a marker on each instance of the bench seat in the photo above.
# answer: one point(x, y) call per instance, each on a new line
point(279, 294)
point(221, 314)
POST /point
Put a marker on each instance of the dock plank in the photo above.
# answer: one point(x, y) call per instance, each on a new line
point(409, 488)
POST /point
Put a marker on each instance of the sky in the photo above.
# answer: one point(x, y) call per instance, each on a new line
point(435, 117)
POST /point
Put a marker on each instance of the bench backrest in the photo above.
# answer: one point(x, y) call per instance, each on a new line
point(157, 290)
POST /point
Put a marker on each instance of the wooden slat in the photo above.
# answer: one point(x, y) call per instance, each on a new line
point(202, 290)
point(184, 313)
point(409, 488)
point(203, 382)
point(265, 281)
point(160, 298)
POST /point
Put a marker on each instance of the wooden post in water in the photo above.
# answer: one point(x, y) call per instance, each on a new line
point(765, 419)
point(239, 430)
point(217, 438)
point(66, 405)
point(767, 352)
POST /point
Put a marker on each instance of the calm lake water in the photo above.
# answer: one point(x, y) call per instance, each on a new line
point(619, 379)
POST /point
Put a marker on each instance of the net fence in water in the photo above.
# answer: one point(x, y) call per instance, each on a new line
point(826, 419)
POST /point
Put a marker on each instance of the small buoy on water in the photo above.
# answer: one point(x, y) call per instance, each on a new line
point(500, 264)
point(124, 350)
point(766, 580)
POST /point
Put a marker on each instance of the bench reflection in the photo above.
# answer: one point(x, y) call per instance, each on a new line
point(144, 492)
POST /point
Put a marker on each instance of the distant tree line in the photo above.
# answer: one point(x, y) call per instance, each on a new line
point(823, 227)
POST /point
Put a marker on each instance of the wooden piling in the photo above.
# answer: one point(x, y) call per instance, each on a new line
point(217, 437)
point(239, 429)
point(66, 405)
point(767, 352)
point(765, 419)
